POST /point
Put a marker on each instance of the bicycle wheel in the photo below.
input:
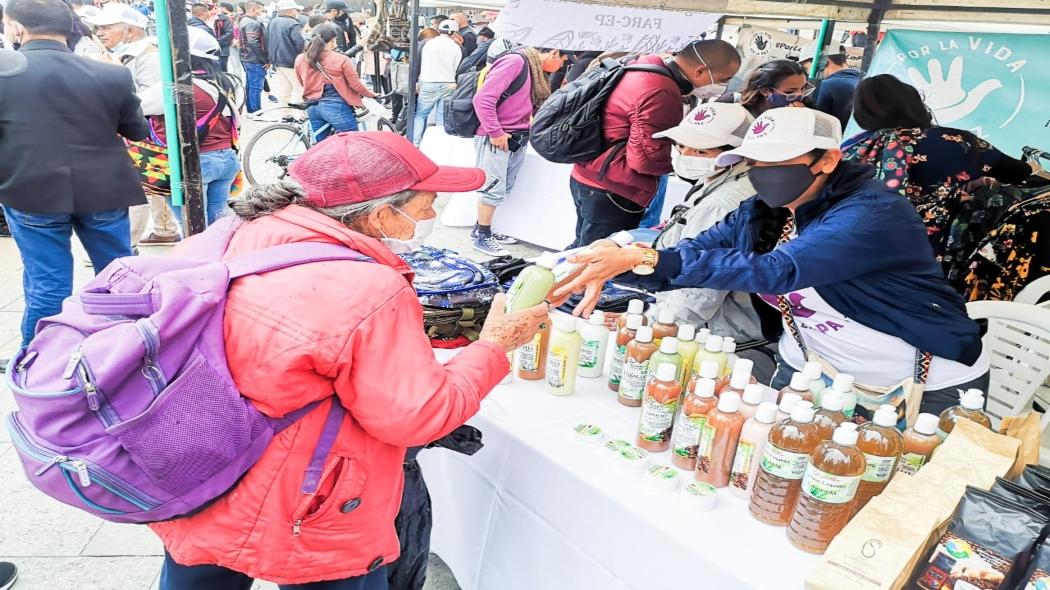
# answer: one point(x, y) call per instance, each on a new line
point(268, 154)
point(384, 124)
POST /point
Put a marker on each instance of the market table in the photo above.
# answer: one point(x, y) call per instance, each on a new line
point(537, 509)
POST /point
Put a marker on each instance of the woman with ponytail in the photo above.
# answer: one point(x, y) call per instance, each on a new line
point(329, 80)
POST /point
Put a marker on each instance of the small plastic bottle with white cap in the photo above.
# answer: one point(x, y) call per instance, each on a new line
point(971, 407)
point(729, 347)
point(787, 403)
point(692, 415)
point(659, 405)
point(634, 307)
point(754, 393)
point(668, 353)
point(882, 445)
point(718, 440)
point(741, 377)
point(829, 488)
point(687, 347)
point(636, 367)
point(595, 343)
point(815, 373)
point(712, 351)
point(753, 438)
point(843, 384)
point(799, 386)
point(624, 336)
point(664, 325)
point(920, 441)
point(563, 357)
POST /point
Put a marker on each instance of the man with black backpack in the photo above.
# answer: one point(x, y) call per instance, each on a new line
point(612, 190)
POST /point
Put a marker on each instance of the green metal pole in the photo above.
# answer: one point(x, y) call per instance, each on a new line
point(171, 117)
point(822, 42)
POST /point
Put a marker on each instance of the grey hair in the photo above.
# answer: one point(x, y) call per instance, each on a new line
point(266, 199)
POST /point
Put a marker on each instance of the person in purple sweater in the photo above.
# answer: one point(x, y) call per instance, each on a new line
point(515, 86)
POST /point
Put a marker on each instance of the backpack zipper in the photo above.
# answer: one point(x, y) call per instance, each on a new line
point(151, 370)
point(96, 400)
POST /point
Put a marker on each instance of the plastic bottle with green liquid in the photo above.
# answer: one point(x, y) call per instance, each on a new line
point(687, 347)
point(668, 354)
point(532, 285)
point(563, 357)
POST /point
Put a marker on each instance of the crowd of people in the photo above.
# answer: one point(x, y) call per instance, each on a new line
point(840, 249)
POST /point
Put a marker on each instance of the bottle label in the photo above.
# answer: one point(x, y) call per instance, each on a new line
point(556, 368)
point(529, 357)
point(657, 419)
point(784, 464)
point(880, 469)
point(687, 434)
point(589, 354)
point(910, 463)
point(632, 383)
point(745, 454)
point(703, 451)
point(616, 371)
point(829, 488)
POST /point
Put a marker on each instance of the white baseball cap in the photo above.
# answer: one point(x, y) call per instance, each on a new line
point(808, 52)
point(448, 26)
point(711, 125)
point(288, 5)
point(786, 133)
point(202, 44)
point(114, 13)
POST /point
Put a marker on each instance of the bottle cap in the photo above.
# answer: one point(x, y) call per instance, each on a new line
point(709, 369)
point(926, 424)
point(635, 306)
point(700, 495)
point(713, 344)
point(802, 414)
point(753, 394)
point(812, 370)
point(843, 382)
point(973, 400)
point(832, 401)
point(729, 402)
point(546, 260)
point(686, 332)
point(705, 387)
point(741, 373)
point(805, 402)
point(666, 316)
point(800, 382)
point(845, 436)
point(766, 412)
point(645, 334)
point(567, 323)
point(728, 347)
point(885, 417)
point(634, 321)
point(597, 318)
point(663, 478)
point(590, 433)
point(788, 402)
point(633, 458)
point(703, 335)
point(971, 391)
point(666, 372)
point(669, 345)
point(622, 238)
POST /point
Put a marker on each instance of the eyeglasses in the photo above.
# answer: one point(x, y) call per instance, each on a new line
point(805, 92)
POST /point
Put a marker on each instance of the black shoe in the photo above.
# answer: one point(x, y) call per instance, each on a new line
point(8, 571)
point(3, 369)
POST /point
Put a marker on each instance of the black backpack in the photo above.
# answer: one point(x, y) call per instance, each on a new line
point(460, 118)
point(568, 127)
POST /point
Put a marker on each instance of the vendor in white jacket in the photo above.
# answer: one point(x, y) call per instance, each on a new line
point(707, 131)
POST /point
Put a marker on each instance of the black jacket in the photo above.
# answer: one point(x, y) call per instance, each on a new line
point(476, 60)
point(470, 40)
point(62, 118)
point(224, 33)
point(284, 41)
point(200, 24)
point(253, 42)
point(349, 37)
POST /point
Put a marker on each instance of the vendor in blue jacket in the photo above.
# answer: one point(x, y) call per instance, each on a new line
point(841, 257)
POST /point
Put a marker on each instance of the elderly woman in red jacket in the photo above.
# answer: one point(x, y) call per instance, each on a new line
point(295, 335)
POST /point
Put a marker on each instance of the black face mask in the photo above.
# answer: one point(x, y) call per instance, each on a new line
point(779, 185)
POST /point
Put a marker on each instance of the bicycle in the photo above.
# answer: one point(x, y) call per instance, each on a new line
point(273, 149)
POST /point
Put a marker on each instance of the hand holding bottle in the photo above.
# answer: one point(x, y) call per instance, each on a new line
point(511, 331)
point(601, 263)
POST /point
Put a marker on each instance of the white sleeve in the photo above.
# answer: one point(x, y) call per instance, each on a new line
point(152, 100)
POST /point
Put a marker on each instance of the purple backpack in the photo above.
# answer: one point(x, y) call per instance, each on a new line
point(127, 407)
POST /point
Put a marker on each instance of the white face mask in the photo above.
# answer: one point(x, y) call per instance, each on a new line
point(709, 91)
point(424, 227)
point(692, 167)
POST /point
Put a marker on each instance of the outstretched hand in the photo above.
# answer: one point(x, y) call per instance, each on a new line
point(600, 263)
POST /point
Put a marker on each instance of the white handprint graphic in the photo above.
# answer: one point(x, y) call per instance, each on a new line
point(945, 94)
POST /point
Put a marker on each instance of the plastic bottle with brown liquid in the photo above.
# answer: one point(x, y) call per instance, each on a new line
point(829, 489)
point(783, 464)
point(882, 445)
point(634, 307)
point(971, 407)
point(658, 409)
point(623, 337)
point(829, 416)
point(788, 401)
point(718, 442)
point(920, 441)
point(636, 367)
point(532, 358)
point(799, 386)
point(692, 415)
point(664, 326)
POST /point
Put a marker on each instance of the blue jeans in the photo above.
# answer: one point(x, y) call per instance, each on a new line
point(253, 86)
point(656, 206)
point(338, 115)
point(218, 170)
point(47, 258)
point(431, 95)
point(213, 577)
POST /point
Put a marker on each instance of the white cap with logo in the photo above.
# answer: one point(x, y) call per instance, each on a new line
point(117, 13)
point(711, 125)
point(202, 44)
point(784, 134)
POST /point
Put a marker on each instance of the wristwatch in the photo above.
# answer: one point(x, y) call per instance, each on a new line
point(648, 265)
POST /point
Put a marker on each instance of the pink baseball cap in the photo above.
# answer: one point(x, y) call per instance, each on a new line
point(358, 166)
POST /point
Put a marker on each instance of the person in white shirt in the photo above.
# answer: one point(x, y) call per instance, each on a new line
point(440, 59)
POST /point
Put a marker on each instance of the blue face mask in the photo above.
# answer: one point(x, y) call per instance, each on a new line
point(778, 99)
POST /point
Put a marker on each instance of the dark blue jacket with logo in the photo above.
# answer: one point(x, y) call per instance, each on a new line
point(863, 247)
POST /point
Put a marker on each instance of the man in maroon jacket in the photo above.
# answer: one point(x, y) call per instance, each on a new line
point(612, 191)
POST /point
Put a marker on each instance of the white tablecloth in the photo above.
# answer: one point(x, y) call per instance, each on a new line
point(536, 509)
point(539, 210)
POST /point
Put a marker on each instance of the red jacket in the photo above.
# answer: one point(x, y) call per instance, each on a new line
point(294, 336)
point(642, 104)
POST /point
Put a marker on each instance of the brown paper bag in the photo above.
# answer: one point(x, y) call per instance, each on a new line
point(977, 453)
point(1027, 429)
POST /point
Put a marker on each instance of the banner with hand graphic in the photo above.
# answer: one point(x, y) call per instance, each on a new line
point(993, 84)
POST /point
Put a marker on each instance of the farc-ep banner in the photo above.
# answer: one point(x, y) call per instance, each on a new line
point(993, 84)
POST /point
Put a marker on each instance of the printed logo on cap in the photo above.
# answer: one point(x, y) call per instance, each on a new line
point(761, 43)
point(703, 116)
point(762, 127)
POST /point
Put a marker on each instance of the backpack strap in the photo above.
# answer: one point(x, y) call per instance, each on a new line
point(287, 255)
point(518, 82)
point(651, 68)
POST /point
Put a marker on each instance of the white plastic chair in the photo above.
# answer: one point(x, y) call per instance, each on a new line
point(1035, 291)
point(1018, 343)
